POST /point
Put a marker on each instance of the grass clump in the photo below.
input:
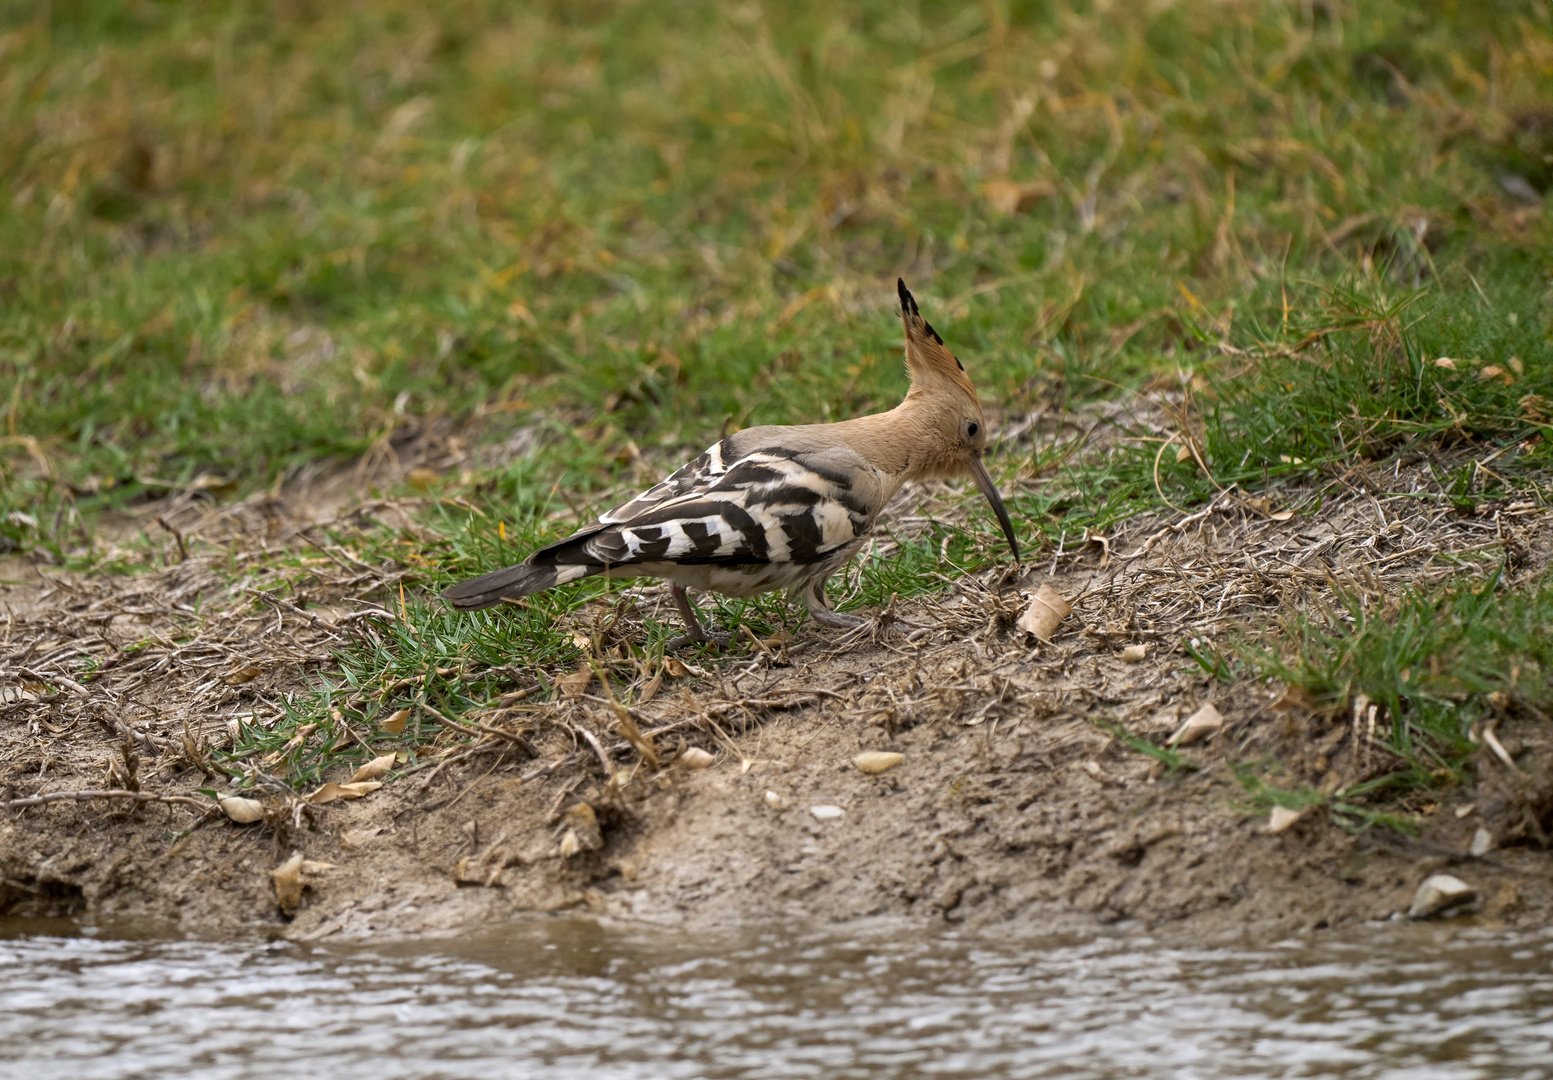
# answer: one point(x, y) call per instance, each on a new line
point(1434, 663)
point(1339, 805)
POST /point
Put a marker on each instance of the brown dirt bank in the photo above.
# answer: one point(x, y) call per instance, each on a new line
point(1011, 808)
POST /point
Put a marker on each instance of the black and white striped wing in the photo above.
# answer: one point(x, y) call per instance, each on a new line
point(771, 505)
point(702, 474)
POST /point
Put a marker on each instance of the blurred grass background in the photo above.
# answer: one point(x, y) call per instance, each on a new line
point(236, 237)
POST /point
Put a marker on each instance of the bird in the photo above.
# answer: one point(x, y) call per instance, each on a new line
point(775, 506)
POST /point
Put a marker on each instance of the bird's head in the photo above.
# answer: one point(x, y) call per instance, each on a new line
point(942, 394)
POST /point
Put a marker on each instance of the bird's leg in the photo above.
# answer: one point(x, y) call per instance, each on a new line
point(697, 633)
point(820, 612)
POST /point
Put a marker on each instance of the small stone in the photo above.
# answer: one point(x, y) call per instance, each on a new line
point(775, 800)
point(826, 812)
point(1281, 818)
point(877, 761)
point(584, 832)
point(1134, 654)
point(1437, 893)
point(1482, 843)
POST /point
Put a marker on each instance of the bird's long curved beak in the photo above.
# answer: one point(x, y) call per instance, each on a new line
point(990, 490)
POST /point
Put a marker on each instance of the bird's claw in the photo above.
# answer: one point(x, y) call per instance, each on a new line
point(685, 641)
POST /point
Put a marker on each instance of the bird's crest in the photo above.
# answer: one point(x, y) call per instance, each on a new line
point(929, 363)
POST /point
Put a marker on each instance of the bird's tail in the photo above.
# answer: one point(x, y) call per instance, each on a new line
point(521, 580)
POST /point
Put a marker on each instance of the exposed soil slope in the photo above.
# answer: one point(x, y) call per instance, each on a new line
point(1012, 805)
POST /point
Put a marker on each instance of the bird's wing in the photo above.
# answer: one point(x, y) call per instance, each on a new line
point(770, 504)
point(695, 476)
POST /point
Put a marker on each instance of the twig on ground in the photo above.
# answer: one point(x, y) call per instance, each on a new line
point(475, 729)
point(183, 550)
point(286, 605)
point(609, 766)
point(111, 793)
point(62, 680)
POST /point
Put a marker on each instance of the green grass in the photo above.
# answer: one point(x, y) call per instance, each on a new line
point(237, 238)
point(1339, 805)
point(1436, 662)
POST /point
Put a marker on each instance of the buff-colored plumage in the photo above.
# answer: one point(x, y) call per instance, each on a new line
point(776, 507)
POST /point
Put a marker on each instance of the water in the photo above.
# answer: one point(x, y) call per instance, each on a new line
point(573, 999)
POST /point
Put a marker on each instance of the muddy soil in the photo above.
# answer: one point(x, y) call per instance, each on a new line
point(1014, 805)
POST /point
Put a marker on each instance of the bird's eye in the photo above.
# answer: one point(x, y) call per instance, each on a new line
point(972, 428)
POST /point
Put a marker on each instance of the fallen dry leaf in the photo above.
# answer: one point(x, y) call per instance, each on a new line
point(332, 791)
point(1045, 611)
point(394, 725)
point(352, 839)
point(675, 668)
point(241, 810)
point(288, 883)
point(1294, 698)
point(877, 761)
point(245, 674)
point(1445, 362)
point(374, 768)
point(650, 689)
point(1199, 725)
point(421, 479)
point(573, 685)
point(1281, 818)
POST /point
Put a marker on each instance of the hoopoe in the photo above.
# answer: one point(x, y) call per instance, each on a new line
point(775, 507)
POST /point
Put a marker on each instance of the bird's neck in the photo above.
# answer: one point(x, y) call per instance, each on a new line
point(905, 443)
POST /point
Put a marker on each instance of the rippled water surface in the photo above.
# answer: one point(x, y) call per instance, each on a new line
point(572, 999)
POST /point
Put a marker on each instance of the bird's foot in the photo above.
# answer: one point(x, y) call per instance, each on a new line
point(695, 633)
point(685, 641)
point(836, 620)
